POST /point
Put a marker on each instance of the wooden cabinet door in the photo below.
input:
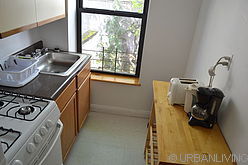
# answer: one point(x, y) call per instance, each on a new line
point(68, 118)
point(82, 75)
point(83, 99)
point(16, 16)
point(49, 10)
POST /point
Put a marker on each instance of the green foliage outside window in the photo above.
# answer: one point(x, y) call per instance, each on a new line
point(123, 40)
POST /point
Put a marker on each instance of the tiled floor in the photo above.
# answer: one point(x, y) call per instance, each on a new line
point(109, 139)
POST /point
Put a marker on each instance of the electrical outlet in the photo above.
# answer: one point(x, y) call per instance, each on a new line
point(229, 62)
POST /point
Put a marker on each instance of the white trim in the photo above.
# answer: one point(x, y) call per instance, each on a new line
point(120, 111)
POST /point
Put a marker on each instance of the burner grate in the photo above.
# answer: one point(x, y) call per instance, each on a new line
point(11, 103)
point(8, 137)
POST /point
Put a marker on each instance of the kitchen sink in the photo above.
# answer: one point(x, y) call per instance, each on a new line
point(61, 63)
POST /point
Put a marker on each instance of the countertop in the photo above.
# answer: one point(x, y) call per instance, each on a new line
point(177, 139)
point(46, 86)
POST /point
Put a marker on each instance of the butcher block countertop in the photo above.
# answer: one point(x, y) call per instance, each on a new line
point(177, 141)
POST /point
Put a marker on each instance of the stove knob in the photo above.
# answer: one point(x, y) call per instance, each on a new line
point(49, 124)
point(30, 147)
point(37, 138)
point(17, 162)
point(43, 131)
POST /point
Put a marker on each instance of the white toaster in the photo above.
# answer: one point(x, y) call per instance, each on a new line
point(177, 90)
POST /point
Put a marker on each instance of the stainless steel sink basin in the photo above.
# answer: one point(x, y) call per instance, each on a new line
point(61, 64)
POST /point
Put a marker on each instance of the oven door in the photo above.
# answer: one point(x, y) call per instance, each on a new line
point(51, 153)
point(2, 158)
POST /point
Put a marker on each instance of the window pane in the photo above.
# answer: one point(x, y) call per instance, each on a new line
point(113, 42)
point(126, 63)
point(118, 5)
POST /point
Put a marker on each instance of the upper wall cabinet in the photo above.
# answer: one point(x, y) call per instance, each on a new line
point(20, 15)
point(49, 10)
point(16, 16)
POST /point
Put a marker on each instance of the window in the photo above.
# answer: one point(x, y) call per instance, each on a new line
point(112, 32)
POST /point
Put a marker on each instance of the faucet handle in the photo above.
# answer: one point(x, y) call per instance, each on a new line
point(37, 50)
point(33, 54)
point(44, 50)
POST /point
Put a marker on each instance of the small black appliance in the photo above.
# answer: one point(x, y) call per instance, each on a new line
point(204, 112)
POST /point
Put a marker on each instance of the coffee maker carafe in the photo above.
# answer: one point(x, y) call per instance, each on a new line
point(204, 112)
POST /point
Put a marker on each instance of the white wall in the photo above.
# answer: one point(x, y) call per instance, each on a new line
point(55, 35)
point(169, 36)
point(222, 30)
point(17, 42)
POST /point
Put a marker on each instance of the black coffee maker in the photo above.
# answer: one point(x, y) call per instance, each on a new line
point(204, 112)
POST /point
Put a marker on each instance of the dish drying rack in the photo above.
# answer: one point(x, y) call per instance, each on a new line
point(18, 71)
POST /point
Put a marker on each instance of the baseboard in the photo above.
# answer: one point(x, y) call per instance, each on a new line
point(119, 111)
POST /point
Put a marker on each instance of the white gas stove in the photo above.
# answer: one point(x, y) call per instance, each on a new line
point(29, 129)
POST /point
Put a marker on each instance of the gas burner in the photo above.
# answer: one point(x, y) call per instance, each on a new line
point(8, 137)
point(21, 107)
point(26, 110)
point(1, 103)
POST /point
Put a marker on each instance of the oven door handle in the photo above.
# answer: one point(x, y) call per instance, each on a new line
point(57, 134)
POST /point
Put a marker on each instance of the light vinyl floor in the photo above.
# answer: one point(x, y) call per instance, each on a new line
point(107, 139)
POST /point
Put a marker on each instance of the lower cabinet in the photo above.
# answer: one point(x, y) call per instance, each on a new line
point(68, 118)
point(74, 105)
point(83, 97)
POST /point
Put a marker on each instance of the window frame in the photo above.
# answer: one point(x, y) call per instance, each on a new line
point(142, 16)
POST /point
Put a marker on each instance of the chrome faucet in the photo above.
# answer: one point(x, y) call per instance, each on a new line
point(39, 52)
